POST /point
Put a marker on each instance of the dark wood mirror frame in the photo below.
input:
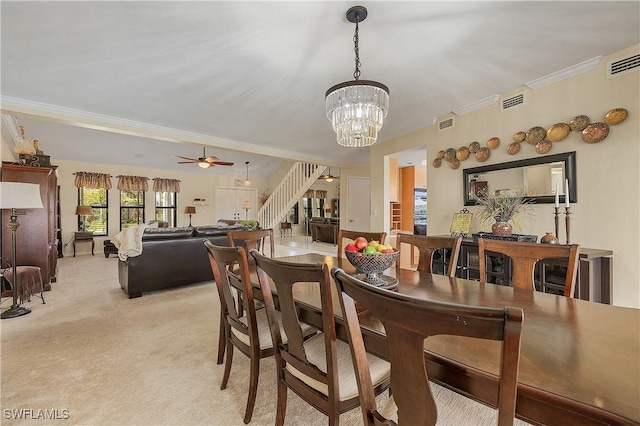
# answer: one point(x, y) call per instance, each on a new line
point(569, 159)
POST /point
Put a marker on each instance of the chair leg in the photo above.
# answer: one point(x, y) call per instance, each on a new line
point(227, 366)
point(281, 409)
point(222, 340)
point(253, 387)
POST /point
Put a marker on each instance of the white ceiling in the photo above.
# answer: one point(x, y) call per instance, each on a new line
point(251, 76)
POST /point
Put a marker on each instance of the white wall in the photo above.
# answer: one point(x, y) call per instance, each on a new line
point(607, 214)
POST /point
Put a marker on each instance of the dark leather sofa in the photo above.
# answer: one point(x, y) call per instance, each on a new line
point(170, 257)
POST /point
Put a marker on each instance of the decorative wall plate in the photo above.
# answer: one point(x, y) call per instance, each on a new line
point(482, 154)
point(535, 135)
point(440, 154)
point(455, 163)
point(474, 146)
point(616, 116)
point(493, 143)
point(543, 147)
point(519, 137)
point(595, 132)
point(513, 148)
point(462, 153)
point(450, 154)
point(437, 162)
point(579, 122)
point(558, 131)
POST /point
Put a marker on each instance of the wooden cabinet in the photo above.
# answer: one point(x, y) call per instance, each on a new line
point(592, 283)
point(37, 243)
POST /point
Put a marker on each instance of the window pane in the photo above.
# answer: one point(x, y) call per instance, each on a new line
point(131, 208)
point(97, 199)
point(166, 207)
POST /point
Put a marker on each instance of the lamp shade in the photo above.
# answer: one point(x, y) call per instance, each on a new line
point(18, 195)
point(246, 204)
point(190, 210)
point(84, 211)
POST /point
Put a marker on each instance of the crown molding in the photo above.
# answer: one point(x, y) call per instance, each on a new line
point(11, 123)
point(466, 109)
point(564, 74)
point(78, 118)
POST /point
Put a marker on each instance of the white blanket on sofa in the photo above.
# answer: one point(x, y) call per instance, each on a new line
point(129, 241)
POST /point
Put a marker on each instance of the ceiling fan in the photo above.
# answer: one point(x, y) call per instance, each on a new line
point(204, 161)
point(328, 177)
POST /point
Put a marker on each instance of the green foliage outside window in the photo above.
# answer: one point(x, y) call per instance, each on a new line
point(97, 199)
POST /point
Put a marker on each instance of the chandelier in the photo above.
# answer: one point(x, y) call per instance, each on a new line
point(357, 108)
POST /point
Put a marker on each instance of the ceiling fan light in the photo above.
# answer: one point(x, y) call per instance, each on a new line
point(329, 179)
point(204, 164)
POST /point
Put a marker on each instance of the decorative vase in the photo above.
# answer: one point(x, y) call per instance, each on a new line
point(549, 238)
point(503, 229)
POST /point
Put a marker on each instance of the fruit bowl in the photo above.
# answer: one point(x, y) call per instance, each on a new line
point(371, 265)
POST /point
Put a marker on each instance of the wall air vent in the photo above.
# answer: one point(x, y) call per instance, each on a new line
point(445, 124)
point(623, 66)
point(513, 101)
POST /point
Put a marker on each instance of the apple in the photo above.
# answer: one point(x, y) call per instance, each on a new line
point(370, 249)
point(389, 250)
point(351, 247)
point(361, 243)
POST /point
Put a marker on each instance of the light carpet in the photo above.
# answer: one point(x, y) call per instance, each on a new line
point(91, 356)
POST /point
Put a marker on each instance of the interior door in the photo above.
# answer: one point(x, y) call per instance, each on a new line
point(359, 204)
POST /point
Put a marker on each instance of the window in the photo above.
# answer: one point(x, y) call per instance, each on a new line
point(98, 222)
point(131, 208)
point(166, 203)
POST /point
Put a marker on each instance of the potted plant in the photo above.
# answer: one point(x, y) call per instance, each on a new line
point(502, 207)
point(249, 225)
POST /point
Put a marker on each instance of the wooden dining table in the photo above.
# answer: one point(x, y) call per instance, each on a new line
point(579, 364)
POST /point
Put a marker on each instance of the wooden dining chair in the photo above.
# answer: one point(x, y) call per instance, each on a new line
point(252, 239)
point(408, 321)
point(427, 247)
point(319, 369)
point(244, 327)
point(352, 235)
point(524, 257)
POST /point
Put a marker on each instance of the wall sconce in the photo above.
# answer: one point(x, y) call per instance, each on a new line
point(199, 201)
point(190, 210)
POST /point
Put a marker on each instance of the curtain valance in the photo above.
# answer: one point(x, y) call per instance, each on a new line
point(93, 180)
point(133, 183)
point(321, 194)
point(166, 185)
point(309, 194)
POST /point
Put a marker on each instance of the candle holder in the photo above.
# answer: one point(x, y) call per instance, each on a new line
point(557, 221)
point(567, 222)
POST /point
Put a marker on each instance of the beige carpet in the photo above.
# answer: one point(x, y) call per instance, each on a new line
point(98, 358)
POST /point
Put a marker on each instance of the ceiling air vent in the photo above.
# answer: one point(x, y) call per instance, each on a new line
point(513, 102)
point(623, 66)
point(445, 124)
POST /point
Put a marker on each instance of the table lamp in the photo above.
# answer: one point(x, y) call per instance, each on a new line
point(17, 195)
point(246, 205)
point(83, 212)
point(190, 210)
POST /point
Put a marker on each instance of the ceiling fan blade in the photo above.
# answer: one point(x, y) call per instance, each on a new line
point(186, 162)
point(187, 158)
point(222, 163)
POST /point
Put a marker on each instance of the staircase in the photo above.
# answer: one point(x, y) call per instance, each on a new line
point(292, 187)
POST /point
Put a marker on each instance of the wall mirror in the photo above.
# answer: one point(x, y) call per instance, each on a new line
point(539, 176)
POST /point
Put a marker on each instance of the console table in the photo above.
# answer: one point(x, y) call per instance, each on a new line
point(83, 237)
point(593, 282)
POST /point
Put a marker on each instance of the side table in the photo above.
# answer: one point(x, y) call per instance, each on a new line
point(83, 237)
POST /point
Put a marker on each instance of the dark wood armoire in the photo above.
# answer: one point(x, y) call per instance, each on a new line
point(37, 243)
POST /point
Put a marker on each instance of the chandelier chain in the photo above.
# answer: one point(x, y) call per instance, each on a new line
point(356, 73)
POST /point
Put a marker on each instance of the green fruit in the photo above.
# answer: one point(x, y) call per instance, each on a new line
point(370, 249)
